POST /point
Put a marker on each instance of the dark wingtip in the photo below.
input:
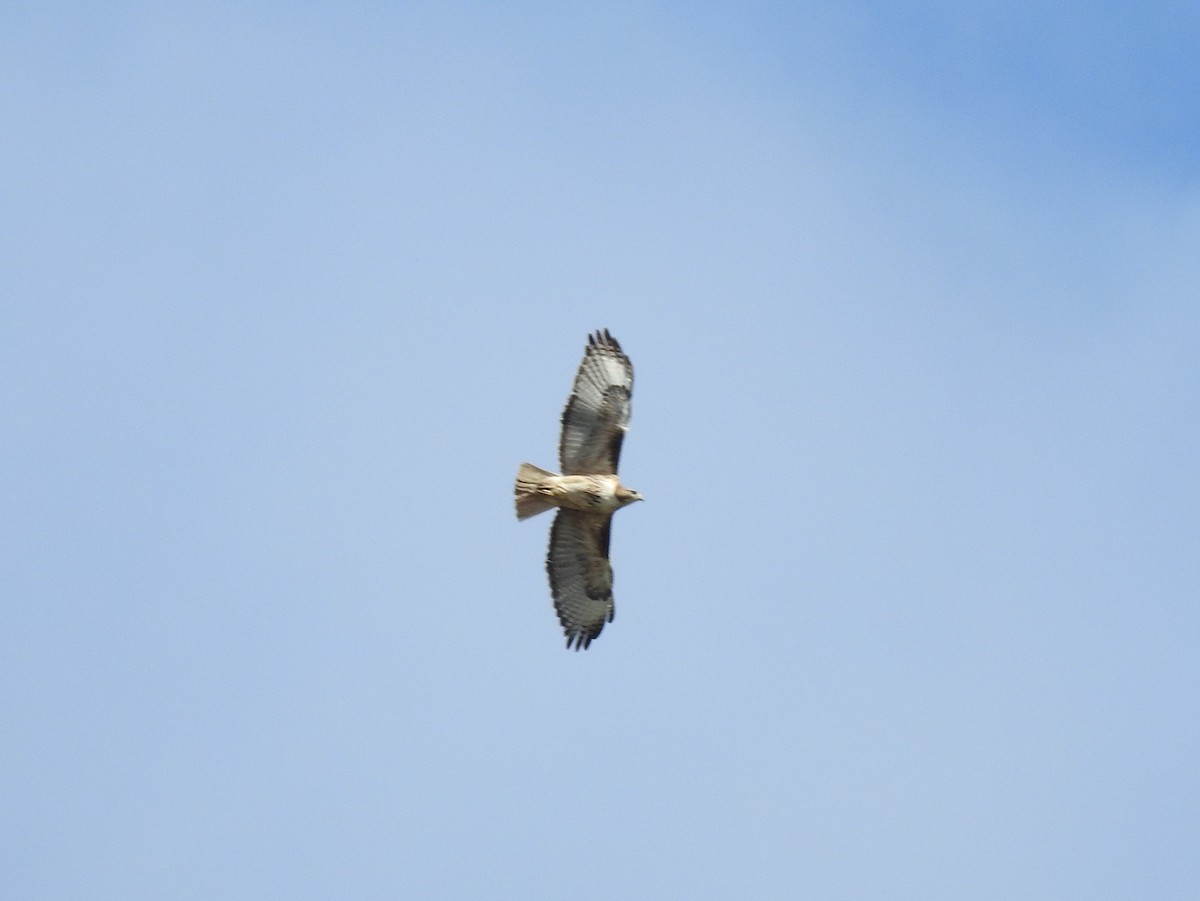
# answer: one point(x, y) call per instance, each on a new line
point(603, 338)
point(579, 640)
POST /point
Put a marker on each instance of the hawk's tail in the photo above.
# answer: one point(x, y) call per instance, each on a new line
point(530, 499)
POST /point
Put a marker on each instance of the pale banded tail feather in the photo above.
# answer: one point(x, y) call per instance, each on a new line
point(529, 496)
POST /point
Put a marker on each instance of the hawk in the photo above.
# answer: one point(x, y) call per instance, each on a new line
point(587, 493)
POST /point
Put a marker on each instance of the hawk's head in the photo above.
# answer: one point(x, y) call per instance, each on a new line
point(626, 496)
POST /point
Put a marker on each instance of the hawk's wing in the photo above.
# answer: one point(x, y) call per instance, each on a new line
point(597, 413)
point(580, 575)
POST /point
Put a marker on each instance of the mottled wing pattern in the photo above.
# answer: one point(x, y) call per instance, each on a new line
point(580, 575)
point(597, 413)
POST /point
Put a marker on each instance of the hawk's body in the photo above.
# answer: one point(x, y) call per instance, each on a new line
point(538, 490)
point(588, 493)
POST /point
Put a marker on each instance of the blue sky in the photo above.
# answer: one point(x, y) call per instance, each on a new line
point(289, 292)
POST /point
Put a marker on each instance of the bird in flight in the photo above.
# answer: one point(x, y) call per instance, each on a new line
point(587, 493)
